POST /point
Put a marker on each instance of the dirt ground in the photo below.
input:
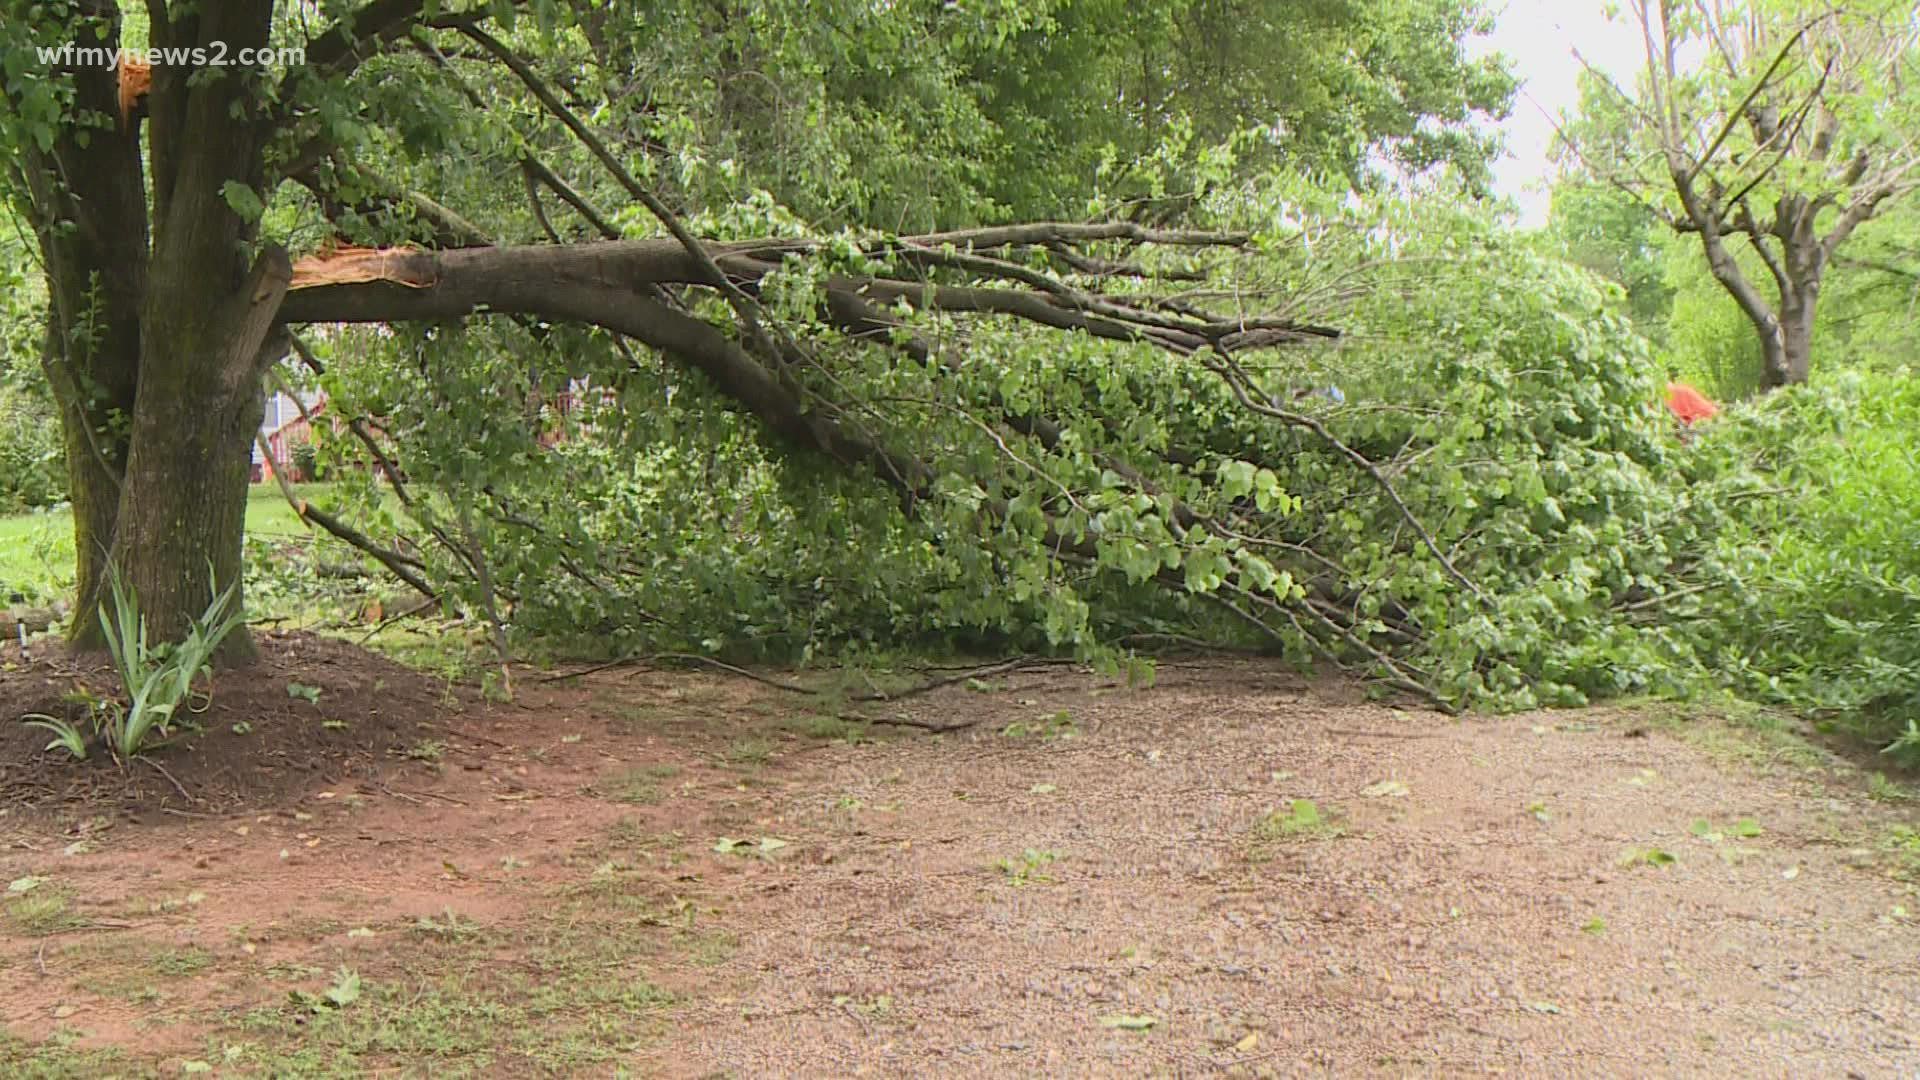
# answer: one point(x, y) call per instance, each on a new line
point(1234, 872)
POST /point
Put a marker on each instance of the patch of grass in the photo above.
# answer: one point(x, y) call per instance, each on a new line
point(426, 750)
point(46, 908)
point(138, 970)
point(481, 1020)
point(827, 727)
point(36, 548)
point(1880, 788)
point(754, 751)
point(706, 948)
point(1300, 820)
point(179, 963)
point(36, 555)
point(1028, 869)
point(1739, 733)
point(1901, 843)
point(450, 925)
point(58, 1059)
point(641, 785)
point(434, 650)
point(631, 713)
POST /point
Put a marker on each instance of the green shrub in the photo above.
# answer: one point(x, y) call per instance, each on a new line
point(32, 462)
point(1827, 615)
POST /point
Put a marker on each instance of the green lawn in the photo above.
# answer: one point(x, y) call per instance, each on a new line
point(36, 549)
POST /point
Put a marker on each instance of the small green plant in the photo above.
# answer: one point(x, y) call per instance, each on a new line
point(1026, 870)
point(1880, 788)
point(309, 694)
point(1059, 725)
point(426, 750)
point(1902, 844)
point(641, 785)
point(66, 736)
point(344, 992)
point(1648, 857)
point(157, 679)
point(752, 752)
point(37, 906)
point(1301, 820)
point(1905, 748)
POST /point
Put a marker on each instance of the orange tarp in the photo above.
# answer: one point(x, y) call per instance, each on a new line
point(1688, 404)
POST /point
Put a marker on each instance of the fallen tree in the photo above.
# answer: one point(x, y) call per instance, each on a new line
point(1059, 435)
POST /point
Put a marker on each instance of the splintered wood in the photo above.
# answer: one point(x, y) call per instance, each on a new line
point(351, 265)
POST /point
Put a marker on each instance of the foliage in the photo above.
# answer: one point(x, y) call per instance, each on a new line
point(1769, 132)
point(1493, 512)
point(1502, 390)
point(32, 462)
point(156, 678)
point(1827, 615)
point(1608, 233)
point(916, 118)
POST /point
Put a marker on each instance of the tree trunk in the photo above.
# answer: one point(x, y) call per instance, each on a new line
point(87, 201)
point(182, 517)
point(1788, 351)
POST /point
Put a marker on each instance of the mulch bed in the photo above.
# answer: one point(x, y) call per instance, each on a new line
point(256, 743)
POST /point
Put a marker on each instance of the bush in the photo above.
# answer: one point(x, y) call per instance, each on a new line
point(33, 470)
point(1827, 615)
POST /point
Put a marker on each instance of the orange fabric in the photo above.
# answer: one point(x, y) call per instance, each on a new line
point(136, 78)
point(1688, 404)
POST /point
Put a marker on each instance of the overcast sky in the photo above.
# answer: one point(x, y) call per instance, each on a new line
point(1540, 36)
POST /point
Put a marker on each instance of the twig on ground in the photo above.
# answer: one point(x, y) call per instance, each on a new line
point(1001, 668)
point(162, 770)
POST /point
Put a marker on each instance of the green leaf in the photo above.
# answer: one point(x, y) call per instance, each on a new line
point(242, 200)
point(345, 989)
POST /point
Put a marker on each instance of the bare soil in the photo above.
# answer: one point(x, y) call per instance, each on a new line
point(1235, 872)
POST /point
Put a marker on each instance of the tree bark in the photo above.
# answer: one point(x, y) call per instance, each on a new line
point(1789, 352)
point(88, 205)
point(182, 519)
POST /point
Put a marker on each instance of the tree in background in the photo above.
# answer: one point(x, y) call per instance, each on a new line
point(1772, 132)
point(1339, 88)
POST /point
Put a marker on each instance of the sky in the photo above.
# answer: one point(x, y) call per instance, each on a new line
point(1540, 36)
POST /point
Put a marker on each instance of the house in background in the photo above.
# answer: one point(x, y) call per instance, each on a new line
point(284, 428)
